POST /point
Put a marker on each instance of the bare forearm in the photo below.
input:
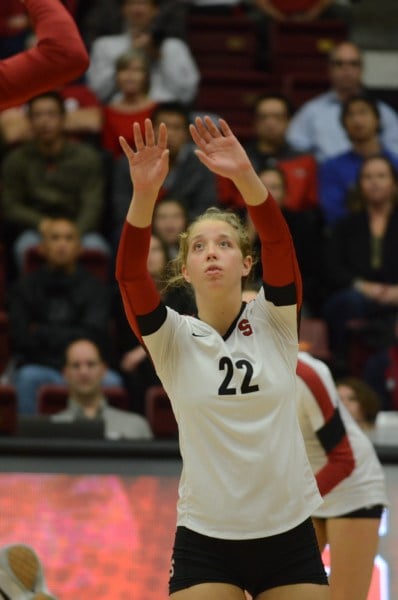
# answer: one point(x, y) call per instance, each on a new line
point(251, 187)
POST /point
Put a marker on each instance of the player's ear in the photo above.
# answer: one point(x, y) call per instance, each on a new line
point(185, 274)
point(247, 265)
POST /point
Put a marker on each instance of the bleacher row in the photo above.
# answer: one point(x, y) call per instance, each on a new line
point(226, 50)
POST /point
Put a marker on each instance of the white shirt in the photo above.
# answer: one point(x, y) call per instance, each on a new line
point(365, 486)
point(246, 474)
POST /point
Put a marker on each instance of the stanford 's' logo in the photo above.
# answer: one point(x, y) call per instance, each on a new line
point(245, 327)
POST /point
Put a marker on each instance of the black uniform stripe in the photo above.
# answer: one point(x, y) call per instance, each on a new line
point(281, 296)
point(332, 433)
point(152, 321)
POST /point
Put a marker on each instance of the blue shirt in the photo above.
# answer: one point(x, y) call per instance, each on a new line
point(337, 176)
point(316, 127)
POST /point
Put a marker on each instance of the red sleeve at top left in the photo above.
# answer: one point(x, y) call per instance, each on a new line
point(59, 57)
point(332, 435)
point(278, 256)
point(138, 290)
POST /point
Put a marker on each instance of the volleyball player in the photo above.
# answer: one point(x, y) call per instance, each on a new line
point(58, 57)
point(246, 491)
point(349, 477)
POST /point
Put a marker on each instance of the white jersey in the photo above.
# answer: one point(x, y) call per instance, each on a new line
point(365, 486)
point(246, 474)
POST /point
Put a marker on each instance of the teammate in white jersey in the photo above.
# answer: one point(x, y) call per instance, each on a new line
point(349, 476)
point(245, 495)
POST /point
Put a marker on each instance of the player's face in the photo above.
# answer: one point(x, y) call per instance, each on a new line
point(214, 259)
point(84, 369)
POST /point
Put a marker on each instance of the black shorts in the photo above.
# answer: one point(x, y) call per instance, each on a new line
point(254, 565)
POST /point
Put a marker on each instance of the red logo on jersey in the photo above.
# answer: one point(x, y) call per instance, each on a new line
point(245, 327)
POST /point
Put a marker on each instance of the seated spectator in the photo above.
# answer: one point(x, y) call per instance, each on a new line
point(305, 228)
point(84, 372)
point(381, 373)
point(270, 148)
point(97, 18)
point(188, 180)
point(360, 400)
point(360, 261)
point(50, 307)
point(135, 365)
point(174, 74)
point(360, 117)
point(169, 221)
point(49, 176)
point(132, 103)
point(316, 126)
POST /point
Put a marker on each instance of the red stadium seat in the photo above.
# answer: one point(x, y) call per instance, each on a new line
point(8, 410)
point(304, 46)
point(53, 398)
point(222, 42)
point(314, 338)
point(159, 413)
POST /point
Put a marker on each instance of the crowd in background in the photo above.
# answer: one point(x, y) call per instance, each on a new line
point(331, 164)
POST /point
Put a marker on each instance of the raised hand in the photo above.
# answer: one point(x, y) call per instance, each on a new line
point(149, 163)
point(218, 148)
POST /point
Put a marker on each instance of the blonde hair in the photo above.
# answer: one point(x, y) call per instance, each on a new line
point(174, 271)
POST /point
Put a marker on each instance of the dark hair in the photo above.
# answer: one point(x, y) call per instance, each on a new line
point(367, 398)
point(275, 96)
point(171, 107)
point(359, 98)
point(355, 199)
point(51, 95)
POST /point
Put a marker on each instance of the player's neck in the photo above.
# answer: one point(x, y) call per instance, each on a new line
point(219, 314)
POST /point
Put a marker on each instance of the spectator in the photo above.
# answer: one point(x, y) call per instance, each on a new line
point(381, 373)
point(132, 102)
point(97, 18)
point(135, 365)
point(188, 180)
point(169, 221)
point(270, 148)
point(51, 175)
point(360, 400)
point(305, 228)
point(338, 175)
point(59, 57)
point(84, 371)
point(360, 261)
point(174, 74)
point(316, 126)
point(52, 306)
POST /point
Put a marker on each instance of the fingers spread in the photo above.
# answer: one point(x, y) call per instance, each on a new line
point(139, 142)
point(162, 136)
point(125, 147)
point(149, 134)
point(212, 127)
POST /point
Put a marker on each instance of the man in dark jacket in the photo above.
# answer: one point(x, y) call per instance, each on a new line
point(52, 306)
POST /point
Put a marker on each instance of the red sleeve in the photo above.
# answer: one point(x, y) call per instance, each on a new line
point(332, 435)
point(59, 57)
point(139, 293)
point(278, 256)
